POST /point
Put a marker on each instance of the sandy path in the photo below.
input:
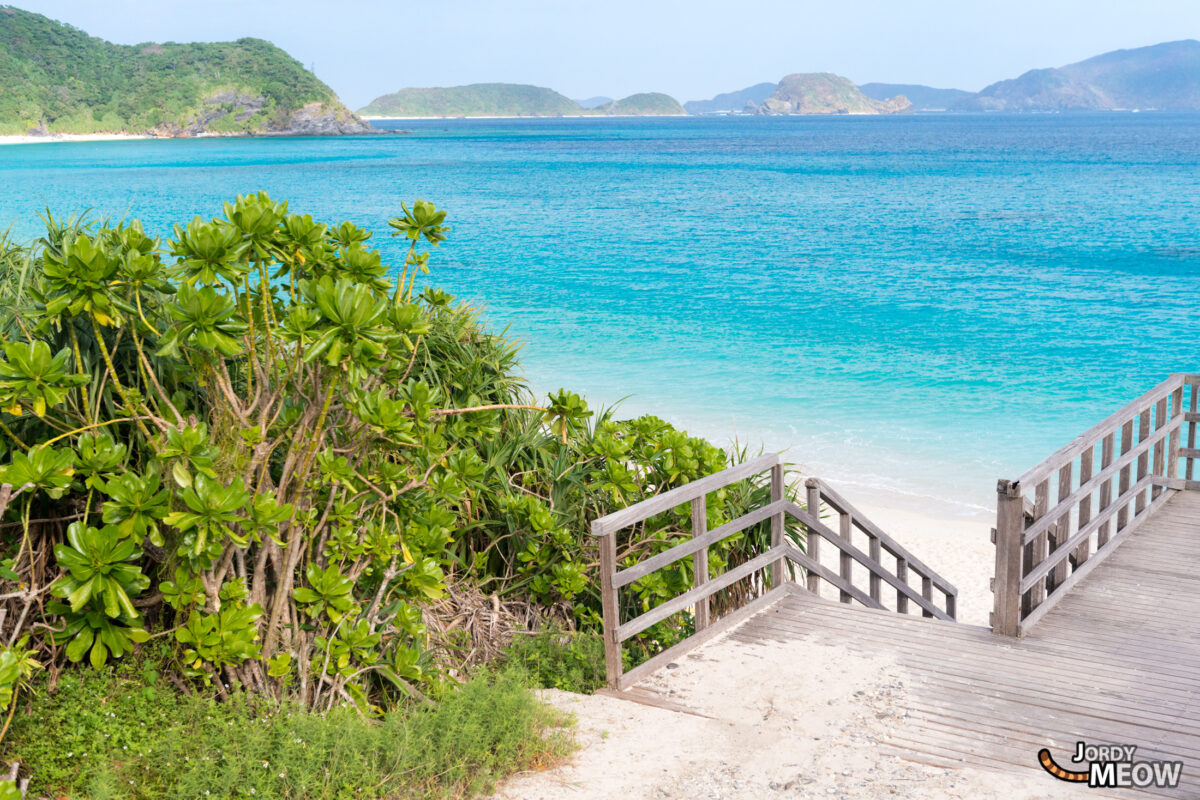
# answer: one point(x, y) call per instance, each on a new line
point(789, 720)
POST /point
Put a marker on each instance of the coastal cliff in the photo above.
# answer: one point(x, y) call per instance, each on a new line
point(59, 80)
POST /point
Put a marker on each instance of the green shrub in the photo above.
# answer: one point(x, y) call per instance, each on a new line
point(263, 440)
point(556, 659)
point(126, 734)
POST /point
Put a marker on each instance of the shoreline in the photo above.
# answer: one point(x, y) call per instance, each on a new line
point(74, 137)
point(370, 118)
point(121, 137)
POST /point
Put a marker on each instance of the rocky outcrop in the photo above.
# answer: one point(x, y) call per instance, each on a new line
point(232, 113)
point(319, 119)
point(826, 93)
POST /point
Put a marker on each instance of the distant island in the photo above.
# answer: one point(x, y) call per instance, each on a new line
point(826, 93)
point(923, 98)
point(1162, 77)
point(512, 100)
point(59, 80)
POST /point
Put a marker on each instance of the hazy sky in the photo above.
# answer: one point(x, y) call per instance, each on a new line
point(692, 50)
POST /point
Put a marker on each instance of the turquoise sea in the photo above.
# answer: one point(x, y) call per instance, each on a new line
point(914, 305)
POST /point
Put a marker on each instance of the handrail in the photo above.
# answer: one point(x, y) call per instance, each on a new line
point(1043, 550)
point(843, 506)
point(1106, 426)
point(781, 551)
point(678, 496)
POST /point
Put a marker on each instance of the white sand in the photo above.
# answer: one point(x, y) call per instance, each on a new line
point(795, 719)
point(71, 137)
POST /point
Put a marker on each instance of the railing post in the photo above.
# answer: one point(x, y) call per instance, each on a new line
point(1193, 396)
point(1006, 585)
point(1159, 465)
point(1173, 436)
point(777, 568)
point(700, 558)
point(845, 527)
point(609, 608)
point(1143, 460)
point(812, 542)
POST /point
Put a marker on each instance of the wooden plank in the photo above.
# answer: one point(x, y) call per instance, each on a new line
point(693, 545)
point(1006, 584)
point(689, 598)
point(902, 576)
point(680, 495)
point(1045, 654)
point(700, 559)
point(1035, 666)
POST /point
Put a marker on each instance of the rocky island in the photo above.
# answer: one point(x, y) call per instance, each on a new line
point(826, 93)
point(59, 80)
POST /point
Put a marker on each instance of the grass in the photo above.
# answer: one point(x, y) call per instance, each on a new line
point(555, 659)
point(125, 734)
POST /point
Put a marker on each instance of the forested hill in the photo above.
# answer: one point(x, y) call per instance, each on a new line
point(509, 100)
point(474, 100)
point(58, 79)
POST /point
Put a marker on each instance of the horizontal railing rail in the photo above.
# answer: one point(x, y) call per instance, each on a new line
point(772, 562)
point(1105, 483)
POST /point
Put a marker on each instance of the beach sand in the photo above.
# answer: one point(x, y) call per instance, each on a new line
point(789, 720)
point(71, 137)
point(795, 719)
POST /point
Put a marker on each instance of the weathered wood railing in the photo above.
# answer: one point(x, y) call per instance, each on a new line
point(1043, 549)
point(851, 522)
point(772, 563)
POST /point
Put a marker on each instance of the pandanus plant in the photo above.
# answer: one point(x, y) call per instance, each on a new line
point(256, 436)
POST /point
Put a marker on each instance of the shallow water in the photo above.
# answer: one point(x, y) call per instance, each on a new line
point(920, 304)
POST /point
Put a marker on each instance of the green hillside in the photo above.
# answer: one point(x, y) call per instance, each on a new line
point(650, 104)
point(475, 100)
point(826, 93)
point(58, 79)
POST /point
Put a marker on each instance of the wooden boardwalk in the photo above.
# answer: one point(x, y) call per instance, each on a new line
point(1117, 661)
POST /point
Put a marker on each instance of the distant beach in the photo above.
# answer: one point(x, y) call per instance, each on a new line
point(72, 137)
